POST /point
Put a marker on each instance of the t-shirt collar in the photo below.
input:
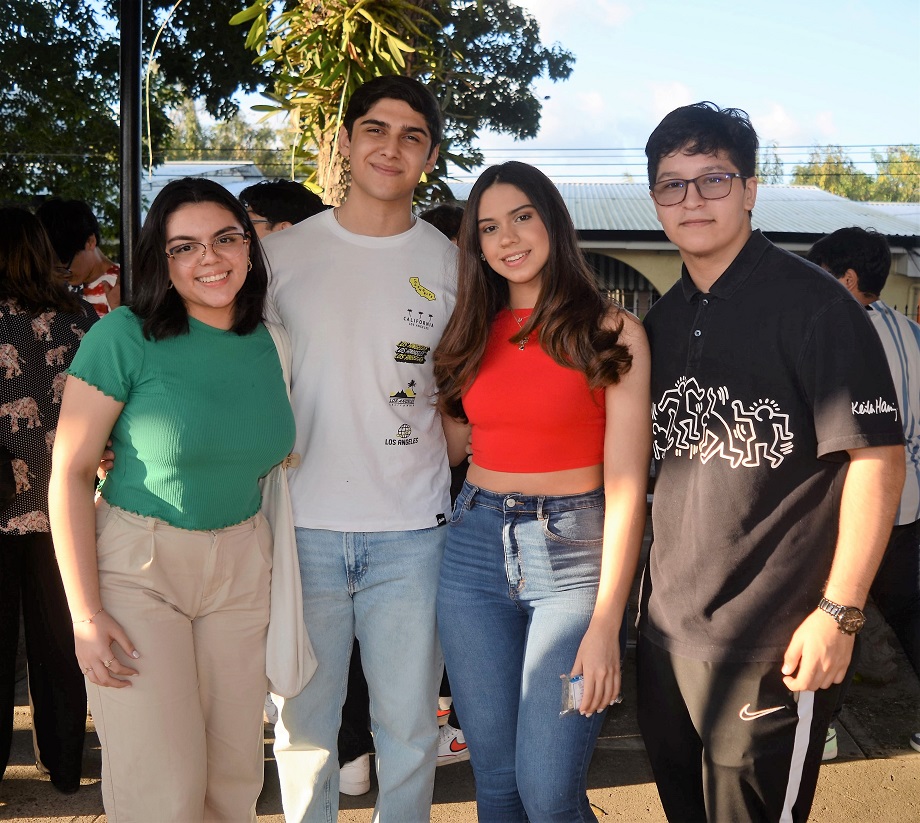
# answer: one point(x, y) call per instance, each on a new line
point(734, 276)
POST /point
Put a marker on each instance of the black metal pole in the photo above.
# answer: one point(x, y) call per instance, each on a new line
point(130, 153)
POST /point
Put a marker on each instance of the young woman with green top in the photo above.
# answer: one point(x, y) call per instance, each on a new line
point(167, 578)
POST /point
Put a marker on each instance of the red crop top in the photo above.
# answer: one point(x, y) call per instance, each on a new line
point(528, 413)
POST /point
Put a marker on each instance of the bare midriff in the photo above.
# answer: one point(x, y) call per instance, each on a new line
point(567, 481)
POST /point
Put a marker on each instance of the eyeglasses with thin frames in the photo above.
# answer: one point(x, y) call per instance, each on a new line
point(228, 246)
point(711, 186)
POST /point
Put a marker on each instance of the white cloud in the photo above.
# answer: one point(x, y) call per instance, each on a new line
point(614, 13)
point(592, 103)
point(549, 12)
point(776, 124)
point(665, 97)
point(555, 16)
point(824, 121)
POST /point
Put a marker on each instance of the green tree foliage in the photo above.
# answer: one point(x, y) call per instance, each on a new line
point(230, 139)
point(897, 177)
point(480, 59)
point(769, 166)
point(831, 169)
point(59, 79)
point(59, 66)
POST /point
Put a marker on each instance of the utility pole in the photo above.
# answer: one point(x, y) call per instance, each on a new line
point(130, 14)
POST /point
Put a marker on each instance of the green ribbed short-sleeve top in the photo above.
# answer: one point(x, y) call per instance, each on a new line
point(206, 415)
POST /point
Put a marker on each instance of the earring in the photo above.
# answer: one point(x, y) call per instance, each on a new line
point(482, 257)
point(249, 264)
point(169, 286)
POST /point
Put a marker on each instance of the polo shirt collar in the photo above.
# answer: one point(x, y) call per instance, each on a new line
point(734, 276)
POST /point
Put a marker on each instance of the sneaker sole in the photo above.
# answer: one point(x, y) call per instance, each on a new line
point(915, 745)
point(446, 760)
point(355, 790)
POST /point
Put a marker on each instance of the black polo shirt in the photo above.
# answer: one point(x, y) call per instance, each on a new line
point(758, 388)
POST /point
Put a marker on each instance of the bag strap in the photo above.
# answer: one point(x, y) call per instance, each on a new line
point(283, 345)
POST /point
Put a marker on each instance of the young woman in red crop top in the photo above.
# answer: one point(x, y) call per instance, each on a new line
point(545, 536)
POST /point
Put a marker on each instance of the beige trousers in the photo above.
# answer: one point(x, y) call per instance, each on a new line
point(185, 742)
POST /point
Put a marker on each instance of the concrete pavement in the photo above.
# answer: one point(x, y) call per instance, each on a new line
point(876, 778)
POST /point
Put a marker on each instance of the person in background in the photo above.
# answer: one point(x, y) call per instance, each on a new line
point(41, 325)
point(861, 260)
point(274, 205)
point(780, 461)
point(544, 538)
point(74, 233)
point(452, 748)
point(168, 578)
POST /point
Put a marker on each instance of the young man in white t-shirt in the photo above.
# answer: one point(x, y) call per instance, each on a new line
point(365, 291)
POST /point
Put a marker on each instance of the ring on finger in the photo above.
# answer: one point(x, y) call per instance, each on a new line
point(87, 669)
point(107, 663)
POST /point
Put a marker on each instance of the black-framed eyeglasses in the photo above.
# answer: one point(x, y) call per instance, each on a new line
point(191, 254)
point(712, 186)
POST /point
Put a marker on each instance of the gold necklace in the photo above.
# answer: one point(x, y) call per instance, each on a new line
point(520, 323)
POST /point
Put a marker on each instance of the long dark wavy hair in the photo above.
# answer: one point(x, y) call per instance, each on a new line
point(161, 308)
point(27, 265)
point(570, 310)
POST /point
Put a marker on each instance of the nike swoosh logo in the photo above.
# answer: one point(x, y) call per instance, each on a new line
point(456, 747)
point(747, 714)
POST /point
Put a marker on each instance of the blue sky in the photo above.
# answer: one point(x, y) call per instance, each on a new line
point(807, 72)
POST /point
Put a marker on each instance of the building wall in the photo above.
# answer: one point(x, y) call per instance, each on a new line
point(662, 269)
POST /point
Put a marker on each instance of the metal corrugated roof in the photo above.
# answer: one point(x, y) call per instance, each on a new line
point(233, 175)
point(780, 209)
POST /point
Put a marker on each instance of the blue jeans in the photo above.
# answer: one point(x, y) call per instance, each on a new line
point(379, 587)
point(517, 590)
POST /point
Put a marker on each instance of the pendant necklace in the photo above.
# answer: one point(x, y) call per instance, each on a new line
point(520, 323)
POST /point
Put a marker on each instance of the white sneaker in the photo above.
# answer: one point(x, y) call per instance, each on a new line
point(451, 746)
point(444, 704)
point(355, 776)
point(830, 743)
point(270, 715)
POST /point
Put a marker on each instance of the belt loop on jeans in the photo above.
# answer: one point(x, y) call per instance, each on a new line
point(470, 496)
point(540, 500)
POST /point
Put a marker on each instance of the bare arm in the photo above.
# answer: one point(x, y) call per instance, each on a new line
point(87, 417)
point(627, 453)
point(819, 654)
point(457, 435)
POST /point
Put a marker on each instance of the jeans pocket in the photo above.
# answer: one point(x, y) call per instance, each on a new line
point(457, 512)
point(577, 527)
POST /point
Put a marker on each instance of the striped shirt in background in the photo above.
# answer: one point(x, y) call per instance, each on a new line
point(900, 338)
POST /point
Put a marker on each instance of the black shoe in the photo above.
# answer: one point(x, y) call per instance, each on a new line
point(68, 785)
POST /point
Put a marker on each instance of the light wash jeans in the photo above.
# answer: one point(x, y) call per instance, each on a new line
point(379, 587)
point(517, 591)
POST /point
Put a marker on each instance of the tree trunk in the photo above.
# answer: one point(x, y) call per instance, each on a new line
point(331, 170)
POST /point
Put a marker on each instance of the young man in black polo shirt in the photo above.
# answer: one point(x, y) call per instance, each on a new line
point(779, 469)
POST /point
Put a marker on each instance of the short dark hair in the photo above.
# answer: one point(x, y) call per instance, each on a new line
point(446, 218)
point(704, 128)
point(69, 223)
point(282, 201)
point(162, 309)
point(396, 87)
point(863, 250)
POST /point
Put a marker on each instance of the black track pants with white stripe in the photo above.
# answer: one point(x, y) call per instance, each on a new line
point(728, 741)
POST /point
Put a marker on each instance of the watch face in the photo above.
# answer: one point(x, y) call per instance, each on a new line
point(851, 621)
